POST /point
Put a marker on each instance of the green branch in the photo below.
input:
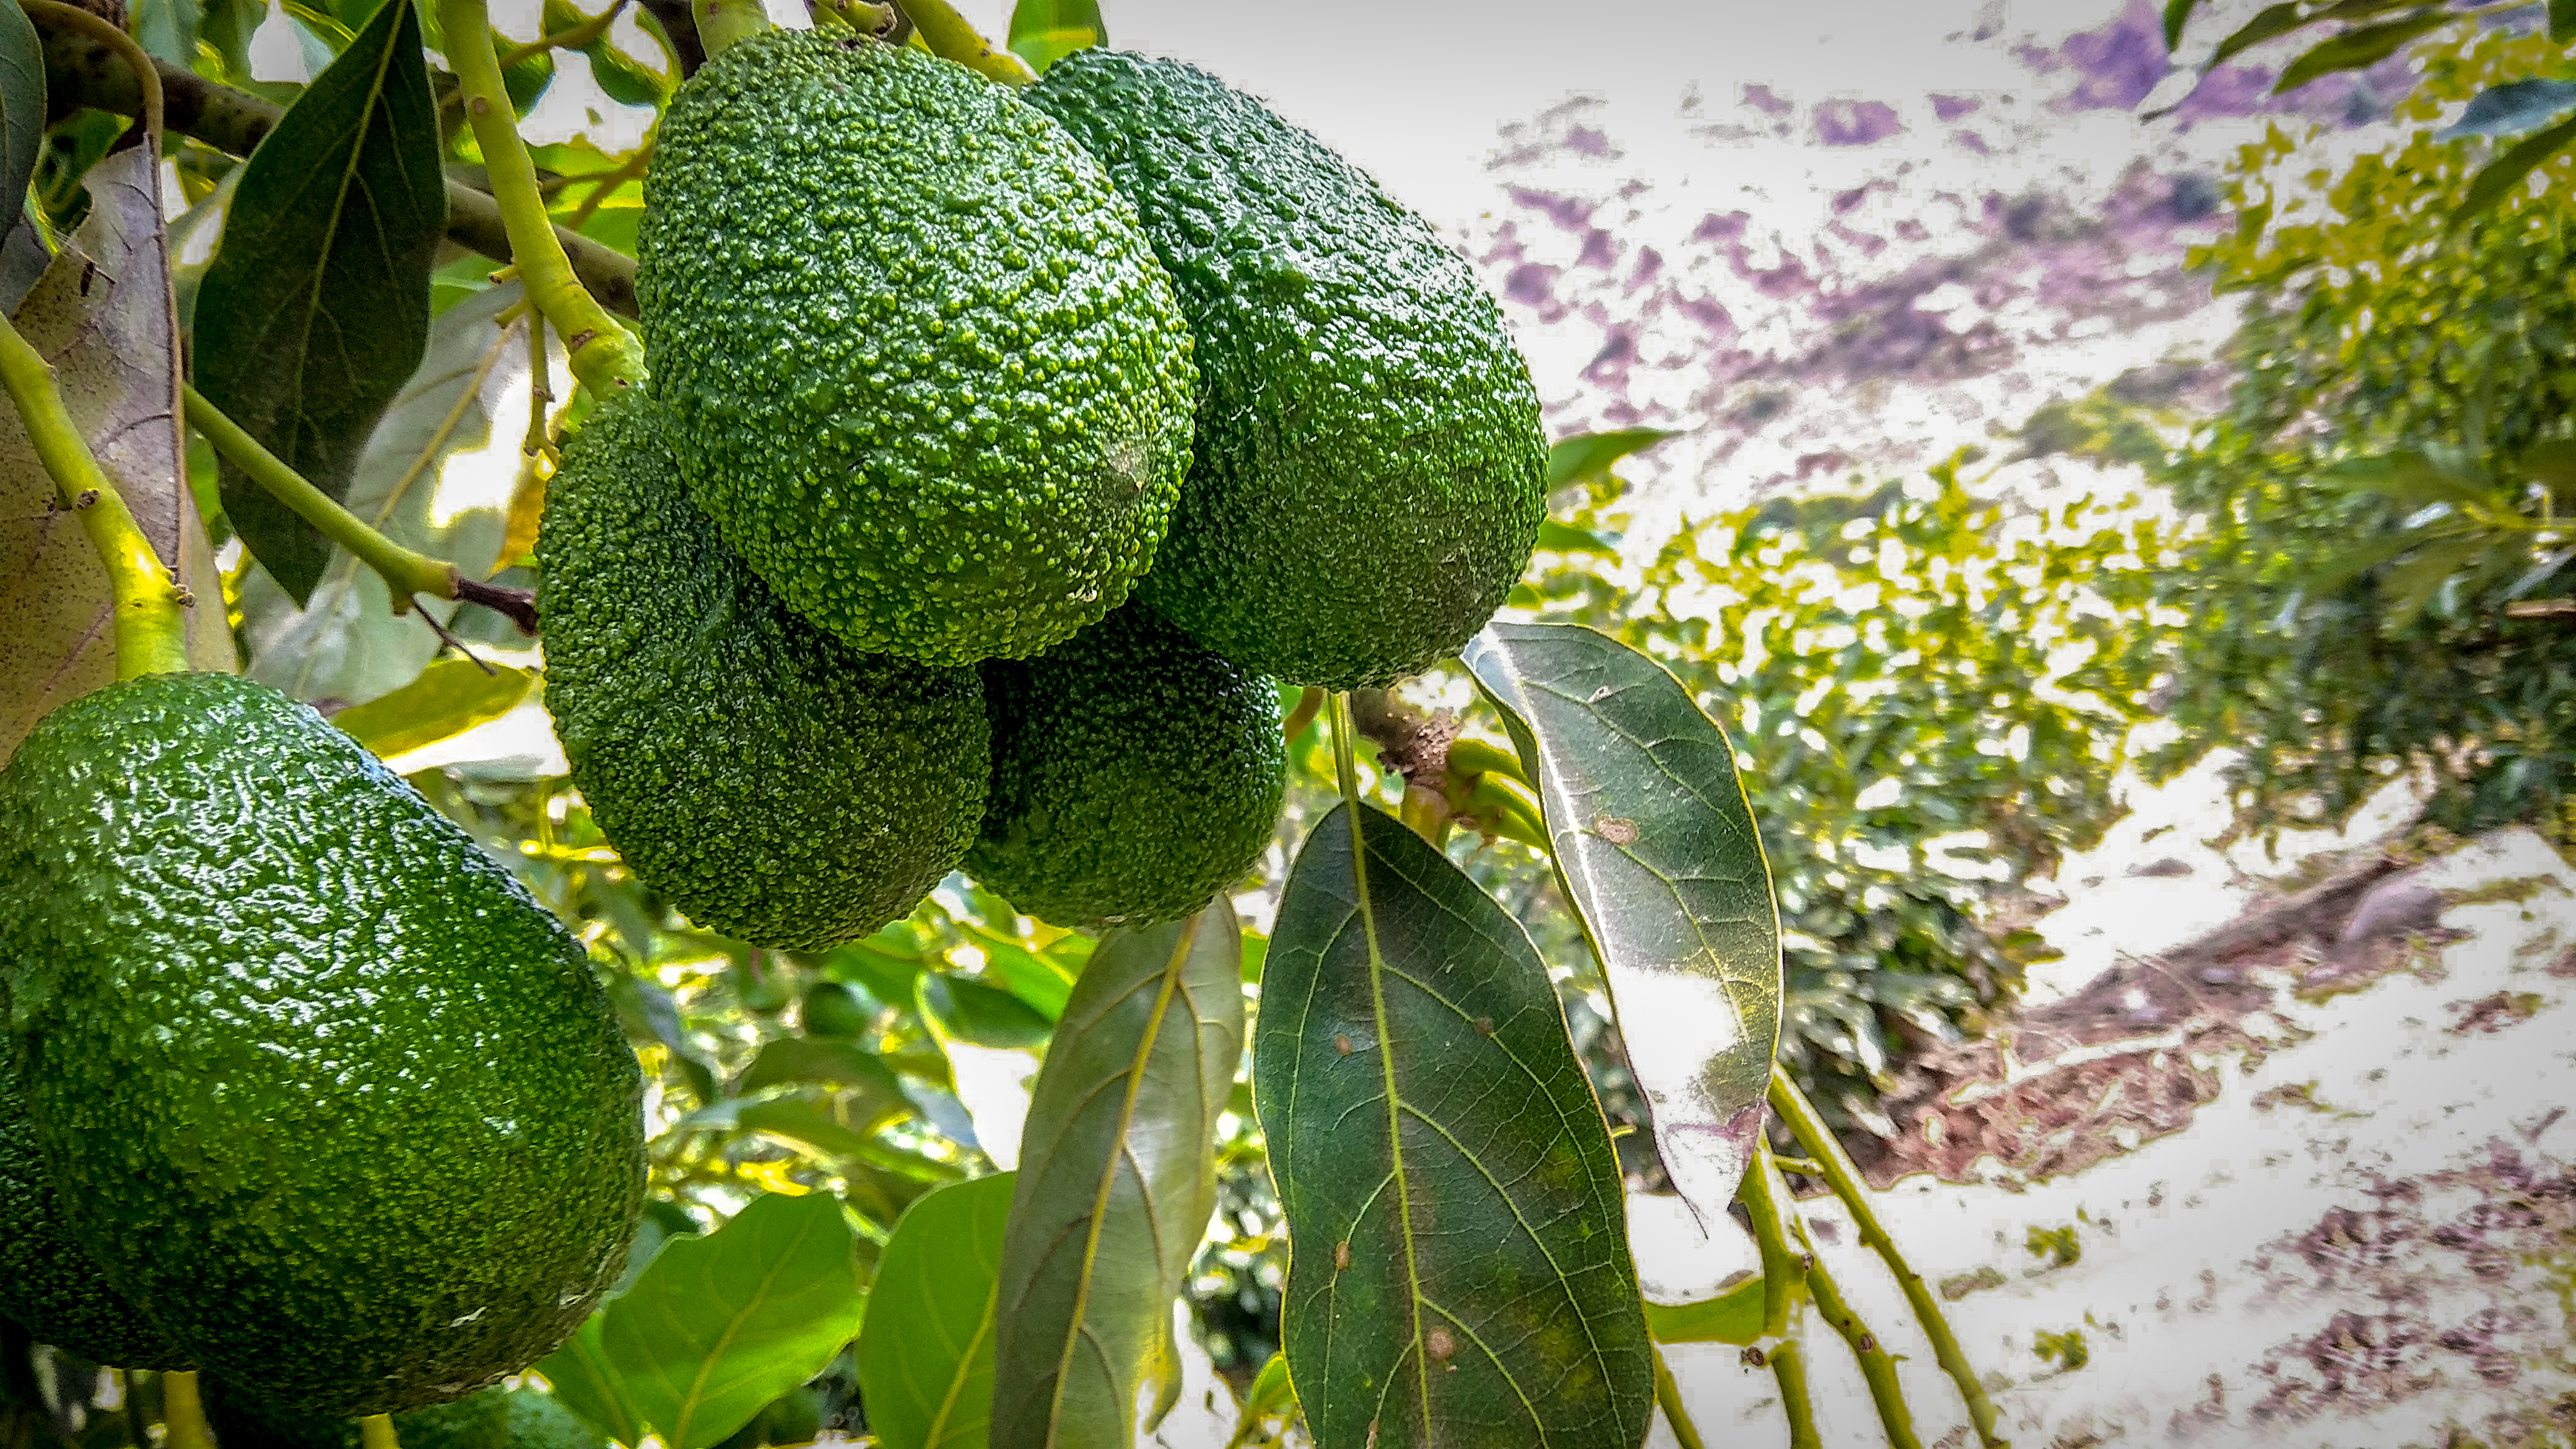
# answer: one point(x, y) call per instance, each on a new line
point(1844, 1178)
point(1788, 1360)
point(1784, 1290)
point(150, 608)
point(948, 35)
point(605, 356)
point(573, 38)
point(407, 574)
point(1877, 1366)
point(1668, 1395)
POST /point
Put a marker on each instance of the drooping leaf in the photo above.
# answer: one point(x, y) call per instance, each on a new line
point(583, 1381)
point(450, 697)
point(1459, 1272)
point(1046, 31)
point(1657, 849)
point(1586, 456)
point(2506, 174)
point(1117, 1179)
point(925, 1359)
point(977, 1014)
point(2364, 45)
point(315, 311)
point(101, 316)
point(2513, 108)
point(436, 477)
point(1733, 1316)
point(721, 1325)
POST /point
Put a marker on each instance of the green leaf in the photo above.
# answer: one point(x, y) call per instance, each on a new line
point(2562, 20)
point(2412, 478)
point(2506, 174)
point(1046, 31)
point(973, 1012)
point(925, 1359)
point(470, 396)
point(1271, 1396)
point(1117, 1179)
point(581, 1378)
point(101, 314)
point(450, 697)
point(1565, 538)
point(1657, 849)
point(2513, 108)
point(721, 1325)
point(315, 312)
point(821, 1061)
point(2353, 49)
point(1458, 1270)
point(1586, 456)
point(22, 140)
point(2177, 15)
point(167, 29)
point(2269, 23)
point(1733, 1316)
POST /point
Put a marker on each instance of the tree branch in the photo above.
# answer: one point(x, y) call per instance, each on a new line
point(81, 72)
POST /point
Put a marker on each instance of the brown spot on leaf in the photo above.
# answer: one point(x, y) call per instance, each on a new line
point(1342, 1044)
point(1341, 1255)
point(1484, 1026)
point(1440, 1345)
point(1615, 830)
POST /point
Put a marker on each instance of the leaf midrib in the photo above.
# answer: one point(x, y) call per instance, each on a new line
point(724, 1340)
point(1394, 1108)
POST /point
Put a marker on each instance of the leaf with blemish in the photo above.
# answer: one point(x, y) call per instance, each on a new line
point(1459, 1272)
point(925, 1359)
point(101, 315)
point(1117, 1178)
point(1657, 849)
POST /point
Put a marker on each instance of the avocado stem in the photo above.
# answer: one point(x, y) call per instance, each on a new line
point(573, 38)
point(407, 574)
point(183, 1414)
point(722, 23)
point(605, 356)
point(950, 37)
point(376, 1431)
point(150, 608)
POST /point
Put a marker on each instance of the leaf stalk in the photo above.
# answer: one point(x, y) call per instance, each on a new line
point(149, 607)
point(407, 574)
point(605, 356)
point(950, 37)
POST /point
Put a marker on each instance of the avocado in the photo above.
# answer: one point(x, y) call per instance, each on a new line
point(770, 781)
point(926, 374)
point(1136, 774)
point(1369, 475)
point(321, 1084)
point(48, 1282)
point(495, 1418)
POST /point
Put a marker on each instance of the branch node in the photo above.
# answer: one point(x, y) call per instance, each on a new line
point(519, 606)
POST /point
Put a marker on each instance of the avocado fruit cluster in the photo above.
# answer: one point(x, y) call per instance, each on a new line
point(1002, 454)
point(315, 1096)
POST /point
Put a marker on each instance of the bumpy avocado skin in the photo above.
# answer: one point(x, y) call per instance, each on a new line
point(770, 781)
point(47, 1281)
point(1370, 474)
point(927, 375)
point(495, 1418)
point(281, 1023)
point(1135, 775)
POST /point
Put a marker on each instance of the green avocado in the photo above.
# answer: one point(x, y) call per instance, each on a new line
point(927, 375)
point(767, 779)
point(1370, 474)
point(48, 1283)
point(495, 1418)
point(319, 1082)
point(1136, 774)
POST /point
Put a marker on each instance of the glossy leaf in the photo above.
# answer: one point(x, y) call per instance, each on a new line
point(1733, 1316)
point(925, 1359)
point(101, 315)
point(980, 1015)
point(1587, 456)
point(1117, 1179)
point(1459, 1272)
point(721, 1325)
point(820, 1061)
point(2507, 173)
point(315, 312)
point(1046, 31)
point(2361, 46)
point(1657, 848)
point(581, 1378)
point(450, 697)
point(436, 477)
point(2513, 108)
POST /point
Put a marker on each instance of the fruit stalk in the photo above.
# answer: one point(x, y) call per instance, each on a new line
point(1843, 1177)
point(605, 356)
point(150, 612)
point(724, 22)
point(950, 37)
point(183, 1413)
point(406, 574)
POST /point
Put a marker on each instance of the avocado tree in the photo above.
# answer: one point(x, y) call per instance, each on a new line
point(954, 492)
